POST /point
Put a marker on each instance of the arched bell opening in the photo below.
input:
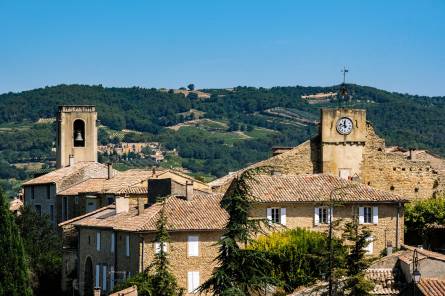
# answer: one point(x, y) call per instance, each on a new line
point(79, 133)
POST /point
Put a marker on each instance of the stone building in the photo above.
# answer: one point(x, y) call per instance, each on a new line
point(117, 241)
point(348, 147)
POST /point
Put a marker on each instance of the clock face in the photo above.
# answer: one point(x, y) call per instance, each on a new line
point(344, 125)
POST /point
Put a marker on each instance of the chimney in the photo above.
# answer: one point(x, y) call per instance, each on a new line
point(189, 190)
point(141, 205)
point(96, 291)
point(110, 170)
point(71, 161)
point(412, 154)
point(122, 205)
point(389, 248)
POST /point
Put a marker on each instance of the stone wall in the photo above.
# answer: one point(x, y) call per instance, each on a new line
point(302, 215)
point(180, 262)
point(39, 195)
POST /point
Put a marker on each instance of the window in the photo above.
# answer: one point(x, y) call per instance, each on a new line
point(193, 246)
point(33, 192)
point(157, 247)
point(98, 241)
point(370, 247)
point(322, 215)
point(277, 215)
point(192, 281)
point(97, 275)
point(368, 215)
point(79, 133)
point(51, 213)
point(344, 173)
point(127, 245)
point(113, 241)
point(39, 210)
point(48, 191)
point(104, 277)
point(110, 200)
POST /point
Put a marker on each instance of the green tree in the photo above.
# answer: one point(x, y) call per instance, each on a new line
point(156, 280)
point(164, 282)
point(299, 256)
point(191, 86)
point(14, 270)
point(241, 270)
point(44, 248)
point(357, 239)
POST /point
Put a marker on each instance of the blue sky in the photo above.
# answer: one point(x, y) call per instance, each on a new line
point(393, 45)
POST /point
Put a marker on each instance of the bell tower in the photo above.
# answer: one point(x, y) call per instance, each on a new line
point(343, 137)
point(76, 135)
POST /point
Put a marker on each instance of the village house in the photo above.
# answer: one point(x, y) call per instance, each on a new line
point(117, 241)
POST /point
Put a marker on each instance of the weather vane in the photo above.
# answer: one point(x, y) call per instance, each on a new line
point(343, 89)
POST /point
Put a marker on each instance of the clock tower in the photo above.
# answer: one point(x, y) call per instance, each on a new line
point(343, 138)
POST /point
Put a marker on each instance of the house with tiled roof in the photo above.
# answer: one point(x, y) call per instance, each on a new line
point(119, 238)
point(117, 241)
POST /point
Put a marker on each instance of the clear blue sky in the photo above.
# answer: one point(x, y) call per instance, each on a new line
point(394, 45)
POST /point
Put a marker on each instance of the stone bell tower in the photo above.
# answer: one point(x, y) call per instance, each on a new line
point(343, 137)
point(76, 135)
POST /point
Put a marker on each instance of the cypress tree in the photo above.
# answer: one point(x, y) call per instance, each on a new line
point(240, 271)
point(164, 283)
point(14, 271)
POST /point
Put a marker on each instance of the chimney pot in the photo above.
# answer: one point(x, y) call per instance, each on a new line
point(110, 170)
point(141, 205)
point(189, 190)
point(71, 161)
point(122, 205)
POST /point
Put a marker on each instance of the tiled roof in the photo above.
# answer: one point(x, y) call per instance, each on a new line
point(431, 287)
point(314, 188)
point(203, 212)
point(88, 186)
point(71, 175)
point(384, 281)
point(422, 253)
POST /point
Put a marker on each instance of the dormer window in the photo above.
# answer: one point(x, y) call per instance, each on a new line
point(79, 133)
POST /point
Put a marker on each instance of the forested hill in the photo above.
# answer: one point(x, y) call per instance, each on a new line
point(219, 133)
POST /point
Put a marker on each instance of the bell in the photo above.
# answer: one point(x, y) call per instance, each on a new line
point(78, 137)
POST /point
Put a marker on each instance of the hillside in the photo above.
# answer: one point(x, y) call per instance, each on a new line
point(226, 131)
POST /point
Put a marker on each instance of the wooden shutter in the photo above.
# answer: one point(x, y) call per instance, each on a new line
point(361, 215)
point(375, 215)
point(98, 241)
point(192, 281)
point(104, 277)
point(283, 216)
point(97, 275)
point(330, 215)
point(113, 241)
point(316, 217)
point(127, 245)
point(370, 248)
point(193, 245)
point(269, 215)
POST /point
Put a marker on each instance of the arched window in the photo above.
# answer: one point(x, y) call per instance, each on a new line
point(79, 133)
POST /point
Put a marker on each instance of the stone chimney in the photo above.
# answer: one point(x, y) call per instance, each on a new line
point(110, 170)
point(189, 190)
point(141, 205)
point(71, 161)
point(122, 204)
point(412, 155)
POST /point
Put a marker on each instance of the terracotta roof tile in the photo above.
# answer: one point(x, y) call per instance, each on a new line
point(432, 287)
point(203, 212)
point(314, 188)
point(384, 281)
point(68, 176)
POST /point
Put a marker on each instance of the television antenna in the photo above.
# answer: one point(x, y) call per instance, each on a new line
point(343, 89)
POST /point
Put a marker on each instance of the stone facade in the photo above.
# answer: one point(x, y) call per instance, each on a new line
point(388, 230)
point(73, 122)
point(388, 171)
point(43, 199)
